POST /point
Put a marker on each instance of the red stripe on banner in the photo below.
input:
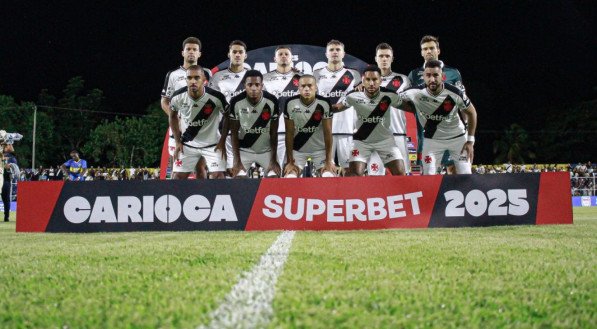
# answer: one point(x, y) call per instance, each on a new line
point(36, 204)
point(351, 203)
point(555, 199)
point(165, 156)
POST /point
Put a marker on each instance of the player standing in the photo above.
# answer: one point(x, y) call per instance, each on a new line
point(384, 56)
point(430, 51)
point(437, 105)
point(176, 79)
point(308, 119)
point(335, 81)
point(196, 132)
point(282, 83)
point(373, 120)
point(254, 127)
point(230, 83)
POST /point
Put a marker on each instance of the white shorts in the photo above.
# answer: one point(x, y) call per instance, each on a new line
point(317, 157)
point(387, 150)
point(247, 158)
point(341, 148)
point(229, 153)
point(433, 151)
point(188, 159)
point(375, 166)
point(281, 149)
point(171, 143)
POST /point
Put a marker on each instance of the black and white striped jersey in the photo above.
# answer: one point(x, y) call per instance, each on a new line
point(199, 118)
point(228, 83)
point(334, 85)
point(254, 120)
point(438, 114)
point(283, 86)
point(396, 82)
point(308, 122)
point(373, 118)
point(177, 79)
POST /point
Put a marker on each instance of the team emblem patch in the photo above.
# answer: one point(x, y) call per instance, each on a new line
point(396, 83)
point(178, 163)
point(265, 115)
point(208, 109)
point(295, 82)
point(375, 167)
point(346, 80)
point(355, 153)
point(448, 105)
point(317, 115)
point(383, 105)
point(427, 159)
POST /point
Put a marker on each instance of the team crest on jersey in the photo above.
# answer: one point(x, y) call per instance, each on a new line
point(427, 159)
point(265, 114)
point(444, 77)
point(396, 83)
point(355, 153)
point(383, 106)
point(208, 109)
point(295, 82)
point(448, 105)
point(317, 115)
point(178, 163)
point(346, 80)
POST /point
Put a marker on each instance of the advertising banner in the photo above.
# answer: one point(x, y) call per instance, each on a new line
point(350, 203)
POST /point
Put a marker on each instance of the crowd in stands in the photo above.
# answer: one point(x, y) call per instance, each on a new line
point(582, 175)
point(51, 173)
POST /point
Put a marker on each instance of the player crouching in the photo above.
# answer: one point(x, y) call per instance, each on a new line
point(308, 120)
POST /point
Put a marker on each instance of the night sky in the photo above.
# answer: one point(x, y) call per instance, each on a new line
point(517, 58)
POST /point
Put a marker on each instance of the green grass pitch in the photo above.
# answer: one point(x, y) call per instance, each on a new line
point(495, 277)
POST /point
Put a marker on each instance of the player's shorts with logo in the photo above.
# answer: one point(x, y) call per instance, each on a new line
point(187, 160)
point(387, 150)
point(433, 151)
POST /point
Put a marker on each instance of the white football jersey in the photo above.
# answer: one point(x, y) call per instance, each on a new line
point(334, 85)
point(177, 79)
point(283, 86)
point(199, 118)
point(308, 122)
point(373, 118)
point(396, 82)
point(228, 83)
point(439, 114)
point(255, 120)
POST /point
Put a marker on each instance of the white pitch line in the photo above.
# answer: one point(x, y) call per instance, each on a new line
point(249, 303)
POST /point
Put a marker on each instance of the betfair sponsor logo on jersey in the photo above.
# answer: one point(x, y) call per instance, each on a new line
point(371, 119)
point(335, 93)
point(147, 209)
point(256, 130)
point(198, 123)
point(311, 129)
point(286, 93)
point(435, 117)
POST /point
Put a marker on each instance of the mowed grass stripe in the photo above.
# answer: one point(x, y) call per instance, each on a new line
point(524, 276)
point(120, 279)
